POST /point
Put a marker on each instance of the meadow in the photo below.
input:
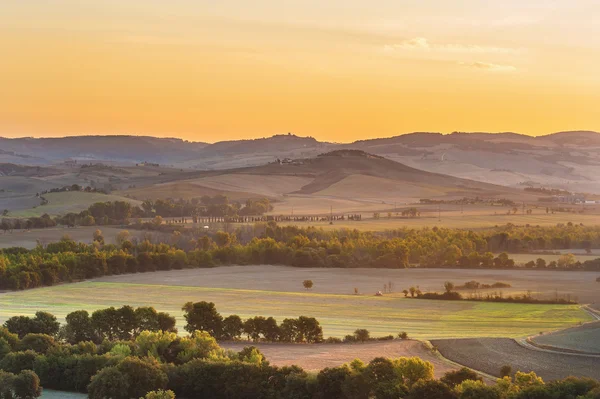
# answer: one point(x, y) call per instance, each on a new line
point(454, 219)
point(339, 314)
point(69, 201)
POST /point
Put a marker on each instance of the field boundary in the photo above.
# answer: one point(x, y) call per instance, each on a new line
point(438, 354)
point(527, 344)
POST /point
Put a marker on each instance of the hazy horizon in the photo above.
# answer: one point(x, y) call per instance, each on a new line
point(199, 140)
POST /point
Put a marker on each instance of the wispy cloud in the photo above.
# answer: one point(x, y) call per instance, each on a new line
point(421, 44)
point(488, 67)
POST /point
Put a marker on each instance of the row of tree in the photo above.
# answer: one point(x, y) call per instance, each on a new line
point(196, 367)
point(203, 316)
point(68, 260)
point(121, 212)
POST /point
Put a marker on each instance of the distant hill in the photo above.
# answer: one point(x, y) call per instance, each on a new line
point(566, 160)
point(351, 175)
point(131, 149)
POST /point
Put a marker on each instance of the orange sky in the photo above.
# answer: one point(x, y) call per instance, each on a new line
point(346, 70)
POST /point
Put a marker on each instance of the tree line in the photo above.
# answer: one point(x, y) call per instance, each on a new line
point(121, 212)
point(163, 365)
point(67, 260)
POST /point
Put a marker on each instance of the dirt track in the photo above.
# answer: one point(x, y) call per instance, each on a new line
point(490, 354)
point(317, 357)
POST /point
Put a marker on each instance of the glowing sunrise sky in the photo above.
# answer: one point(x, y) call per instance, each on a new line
point(337, 70)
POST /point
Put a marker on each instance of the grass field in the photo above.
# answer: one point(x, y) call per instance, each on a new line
point(454, 220)
point(65, 202)
point(524, 258)
point(29, 239)
point(339, 314)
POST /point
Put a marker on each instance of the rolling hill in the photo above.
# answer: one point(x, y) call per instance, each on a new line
point(566, 160)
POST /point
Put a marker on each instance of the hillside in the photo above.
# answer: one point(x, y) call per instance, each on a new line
point(129, 149)
point(566, 160)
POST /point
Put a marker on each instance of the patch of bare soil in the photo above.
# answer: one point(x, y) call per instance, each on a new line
point(490, 354)
point(315, 357)
point(585, 338)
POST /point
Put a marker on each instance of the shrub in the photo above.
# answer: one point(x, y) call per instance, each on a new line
point(333, 340)
point(431, 389)
point(457, 377)
point(403, 335)
point(349, 338)
point(362, 335)
point(39, 343)
point(505, 371)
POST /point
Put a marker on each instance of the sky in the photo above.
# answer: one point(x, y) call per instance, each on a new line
point(337, 70)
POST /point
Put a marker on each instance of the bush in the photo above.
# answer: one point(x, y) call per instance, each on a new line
point(362, 335)
point(15, 362)
point(431, 389)
point(457, 377)
point(333, 340)
point(39, 343)
point(505, 371)
point(403, 335)
point(349, 338)
point(160, 395)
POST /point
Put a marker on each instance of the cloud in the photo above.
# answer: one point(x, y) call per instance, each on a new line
point(421, 44)
point(488, 67)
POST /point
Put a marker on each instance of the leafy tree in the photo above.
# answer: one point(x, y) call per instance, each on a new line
point(5, 349)
point(309, 330)
point(27, 385)
point(232, 327)
point(456, 377)
point(361, 335)
point(308, 284)
point(39, 343)
point(470, 389)
point(160, 394)
point(505, 371)
point(203, 316)
point(166, 322)
point(431, 389)
point(79, 327)
point(330, 382)
point(448, 286)
point(98, 237)
point(143, 376)
point(110, 382)
point(14, 362)
point(42, 323)
point(11, 339)
point(413, 369)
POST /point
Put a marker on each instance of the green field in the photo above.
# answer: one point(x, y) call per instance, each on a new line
point(455, 220)
point(339, 314)
point(71, 201)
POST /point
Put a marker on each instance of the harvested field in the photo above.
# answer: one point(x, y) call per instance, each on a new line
point(318, 356)
point(584, 338)
point(524, 258)
point(541, 283)
point(29, 238)
point(429, 218)
point(489, 355)
point(338, 314)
